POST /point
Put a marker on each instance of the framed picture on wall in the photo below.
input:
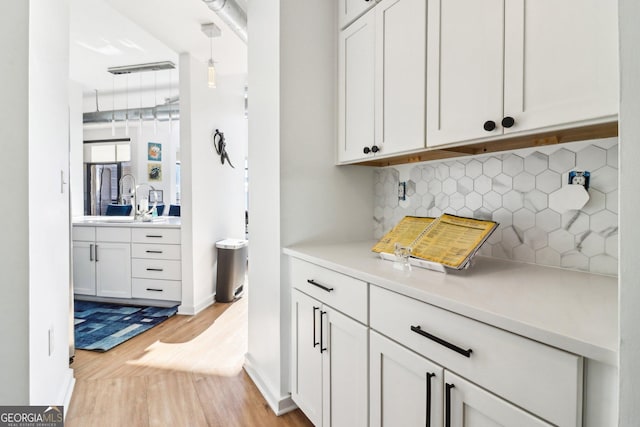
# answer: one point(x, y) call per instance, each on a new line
point(155, 196)
point(154, 171)
point(154, 151)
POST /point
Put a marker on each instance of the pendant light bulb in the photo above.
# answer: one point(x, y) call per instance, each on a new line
point(211, 79)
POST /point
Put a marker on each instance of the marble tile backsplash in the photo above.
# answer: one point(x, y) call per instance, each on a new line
point(513, 189)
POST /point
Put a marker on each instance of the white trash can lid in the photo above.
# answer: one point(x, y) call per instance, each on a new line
point(231, 243)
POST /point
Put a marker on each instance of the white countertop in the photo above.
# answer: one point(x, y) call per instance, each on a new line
point(126, 221)
point(570, 310)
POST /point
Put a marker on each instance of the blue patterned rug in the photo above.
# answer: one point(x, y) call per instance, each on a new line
point(101, 326)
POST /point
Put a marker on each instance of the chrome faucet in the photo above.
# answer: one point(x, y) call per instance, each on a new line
point(132, 192)
point(144, 213)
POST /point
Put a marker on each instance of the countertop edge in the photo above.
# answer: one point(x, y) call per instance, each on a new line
point(554, 338)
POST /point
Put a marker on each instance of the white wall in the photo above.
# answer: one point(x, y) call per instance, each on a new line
point(213, 201)
point(296, 193)
point(75, 139)
point(629, 367)
point(14, 250)
point(35, 252)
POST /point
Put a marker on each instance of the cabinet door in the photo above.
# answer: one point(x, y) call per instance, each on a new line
point(344, 370)
point(467, 405)
point(464, 69)
point(560, 62)
point(113, 269)
point(306, 360)
point(349, 10)
point(84, 268)
point(406, 389)
point(356, 88)
point(401, 39)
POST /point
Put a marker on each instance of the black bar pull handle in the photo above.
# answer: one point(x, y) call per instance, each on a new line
point(154, 235)
point(447, 405)
point(154, 290)
point(155, 269)
point(462, 351)
point(429, 376)
point(315, 343)
point(153, 252)
point(95, 252)
point(91, 252)
point(323, 287)
point(322, 347)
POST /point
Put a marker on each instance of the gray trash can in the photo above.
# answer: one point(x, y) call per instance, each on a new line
point(232, 269)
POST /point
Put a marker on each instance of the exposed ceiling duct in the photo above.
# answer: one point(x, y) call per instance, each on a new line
point(232, 14)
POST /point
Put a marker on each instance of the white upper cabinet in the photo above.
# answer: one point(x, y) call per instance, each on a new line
point(521, 66)
point(356, 85)
point(382, 93)
point(350, 10)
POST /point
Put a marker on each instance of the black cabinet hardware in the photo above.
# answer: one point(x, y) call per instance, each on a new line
point(489, 125)
point(155, 269)
point(447, 405)
point(91, 252)
point(322, 347)
point(314, 283)
point(153, 252)
point(462, 351)
point(375, 149)
point(366, 150)
point(314, 326)
point(508, 121)
point(154, 290)
point(154, 235)
point(95, 252)
point(429, 376)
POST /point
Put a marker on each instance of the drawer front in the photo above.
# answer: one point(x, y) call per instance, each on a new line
point(113, 234)
point(156, 235)
point(341, 292)
point(168, 290)
point(539, 378)
point(144, 250)
point(83, 234)
point(156, 269)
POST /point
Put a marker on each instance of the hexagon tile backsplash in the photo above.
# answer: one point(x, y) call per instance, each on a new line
point(513, 189)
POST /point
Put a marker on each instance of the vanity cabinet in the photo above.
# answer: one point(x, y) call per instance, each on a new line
point(102, 261)
point(501, 68)
point(381, 82)
point(156, 264)
point(329, 375)
point(489, 374)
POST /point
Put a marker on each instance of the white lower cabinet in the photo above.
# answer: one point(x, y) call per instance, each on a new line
point(113, 270)
point(329, 375)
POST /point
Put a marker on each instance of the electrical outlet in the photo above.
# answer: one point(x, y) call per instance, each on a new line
point(402, 190)
point(580, 178)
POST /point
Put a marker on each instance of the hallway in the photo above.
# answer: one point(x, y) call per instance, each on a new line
point(187, 371)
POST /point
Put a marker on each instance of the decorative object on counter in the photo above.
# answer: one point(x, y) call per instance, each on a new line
point(154, 151)
point(154, 171)
point(402, 254)
point(143, 211)
point(450, 241)
point(220, 145)
point(101, 326)
point(174, 210)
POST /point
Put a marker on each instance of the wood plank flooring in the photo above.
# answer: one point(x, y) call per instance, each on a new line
point(185, 372)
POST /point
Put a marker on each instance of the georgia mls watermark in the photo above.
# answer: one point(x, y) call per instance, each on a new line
point(31, 416)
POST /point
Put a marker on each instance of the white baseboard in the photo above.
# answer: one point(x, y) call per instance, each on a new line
point(192, 310)
point(66, 390)
point(278, 404)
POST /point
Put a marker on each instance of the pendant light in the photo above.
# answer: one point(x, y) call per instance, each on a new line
point(126, 118)
point(155, 102)
point(113, 106)
point(170, 90)
point(211, 31)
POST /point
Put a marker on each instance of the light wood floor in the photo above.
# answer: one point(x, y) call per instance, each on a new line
point(187, 371)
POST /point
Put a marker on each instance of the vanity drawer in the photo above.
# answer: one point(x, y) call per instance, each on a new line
point(83, 234)
point(156, 269)
point(148, 250)
point(344, 293)
point(113, 234)
point(539, 378)
point(168, 290)
point(156, 235)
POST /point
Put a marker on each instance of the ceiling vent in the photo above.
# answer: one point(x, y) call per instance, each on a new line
point(232, 14)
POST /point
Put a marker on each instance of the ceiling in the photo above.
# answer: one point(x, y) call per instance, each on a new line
point(108, 33)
